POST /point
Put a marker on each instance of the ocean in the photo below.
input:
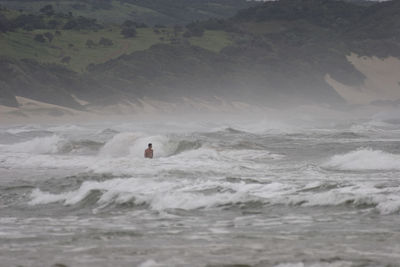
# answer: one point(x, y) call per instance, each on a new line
point(216, 194)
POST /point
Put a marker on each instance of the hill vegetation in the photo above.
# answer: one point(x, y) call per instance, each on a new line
point(78, 42)
point(262, 54)
point(151, 12)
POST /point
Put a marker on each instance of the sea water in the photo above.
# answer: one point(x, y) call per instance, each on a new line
point(216, 194)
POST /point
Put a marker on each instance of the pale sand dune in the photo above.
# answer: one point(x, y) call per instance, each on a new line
point(382, 80)
point(5, 109)
point(27, 104)
point(80, 101)
point(32, 110)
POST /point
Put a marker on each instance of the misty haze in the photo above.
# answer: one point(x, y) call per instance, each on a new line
point(213, 133)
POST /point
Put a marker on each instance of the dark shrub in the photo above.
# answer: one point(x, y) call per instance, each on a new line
point(105, 42)
point(49, 36)
point(66, 60)
point(90, 43)
point(129, 32)
point(39, 38)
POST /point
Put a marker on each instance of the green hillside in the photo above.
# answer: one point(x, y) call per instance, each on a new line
point(70, 49)
point(268, 54)
point(81, 46)
point(151, 12)
point(212, 40)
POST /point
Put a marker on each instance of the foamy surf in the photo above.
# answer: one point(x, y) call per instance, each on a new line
point(38, 145)
point(220, 195)
point(160, 195)
point(189, 194)
point(132, 144)
point(364, 159)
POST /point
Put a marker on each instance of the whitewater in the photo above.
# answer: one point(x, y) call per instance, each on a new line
point(257, 193)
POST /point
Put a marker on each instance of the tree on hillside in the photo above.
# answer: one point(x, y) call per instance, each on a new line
point(29, 22)
point(128, 24)
point(66, 59)
point(129, 32)
point(4, 24)
point(47, 10)
point(71, 24)
point(178, 29)
point(81, 23)
point(218, 24)
point(141, 25)
point(129, 28)
point(103, 4)
point(49, 36)
point(194, 29)
point(52, 24)
point(39, 38)
point(78, 6)
point(105, 42)
point(90, 43)
point(91, 67)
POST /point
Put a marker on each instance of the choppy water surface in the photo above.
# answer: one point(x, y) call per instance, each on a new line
point(83, 195)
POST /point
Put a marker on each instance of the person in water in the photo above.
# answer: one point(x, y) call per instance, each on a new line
point(148, 153)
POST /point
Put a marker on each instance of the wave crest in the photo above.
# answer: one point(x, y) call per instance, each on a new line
point(190, 195)
point(53, 144)
point(364, 159)
point(38, 145)
point(134, 144)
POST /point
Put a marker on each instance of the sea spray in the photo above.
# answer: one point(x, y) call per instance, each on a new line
point(364, 159)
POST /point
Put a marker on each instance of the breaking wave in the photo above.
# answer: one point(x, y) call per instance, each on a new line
point(204, 194)
point(38, 145)
point(159, 195)
point(329, 263)
point(364, 159)
point(53, 144)
point(133, 145)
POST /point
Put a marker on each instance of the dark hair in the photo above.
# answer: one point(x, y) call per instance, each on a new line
point(150, 144)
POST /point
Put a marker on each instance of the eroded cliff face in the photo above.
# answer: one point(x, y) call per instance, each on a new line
point(382, 82)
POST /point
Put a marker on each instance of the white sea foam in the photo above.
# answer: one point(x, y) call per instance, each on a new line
point(23, 129)
point(133, 145)
point(119, 145)
point(250, 155)
point(195, 176)
point(377, 128)
point(23, 160)
point(189, 194)
point(149, 263)
point(391, 116)
point(364, 159)
point(67, 128)
point(317, 264)
point(159, 195)
point(358, 195)
point(38, 145)
point(266, 126)
point(205, 160)
point(123, 155)
point(383, 200)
